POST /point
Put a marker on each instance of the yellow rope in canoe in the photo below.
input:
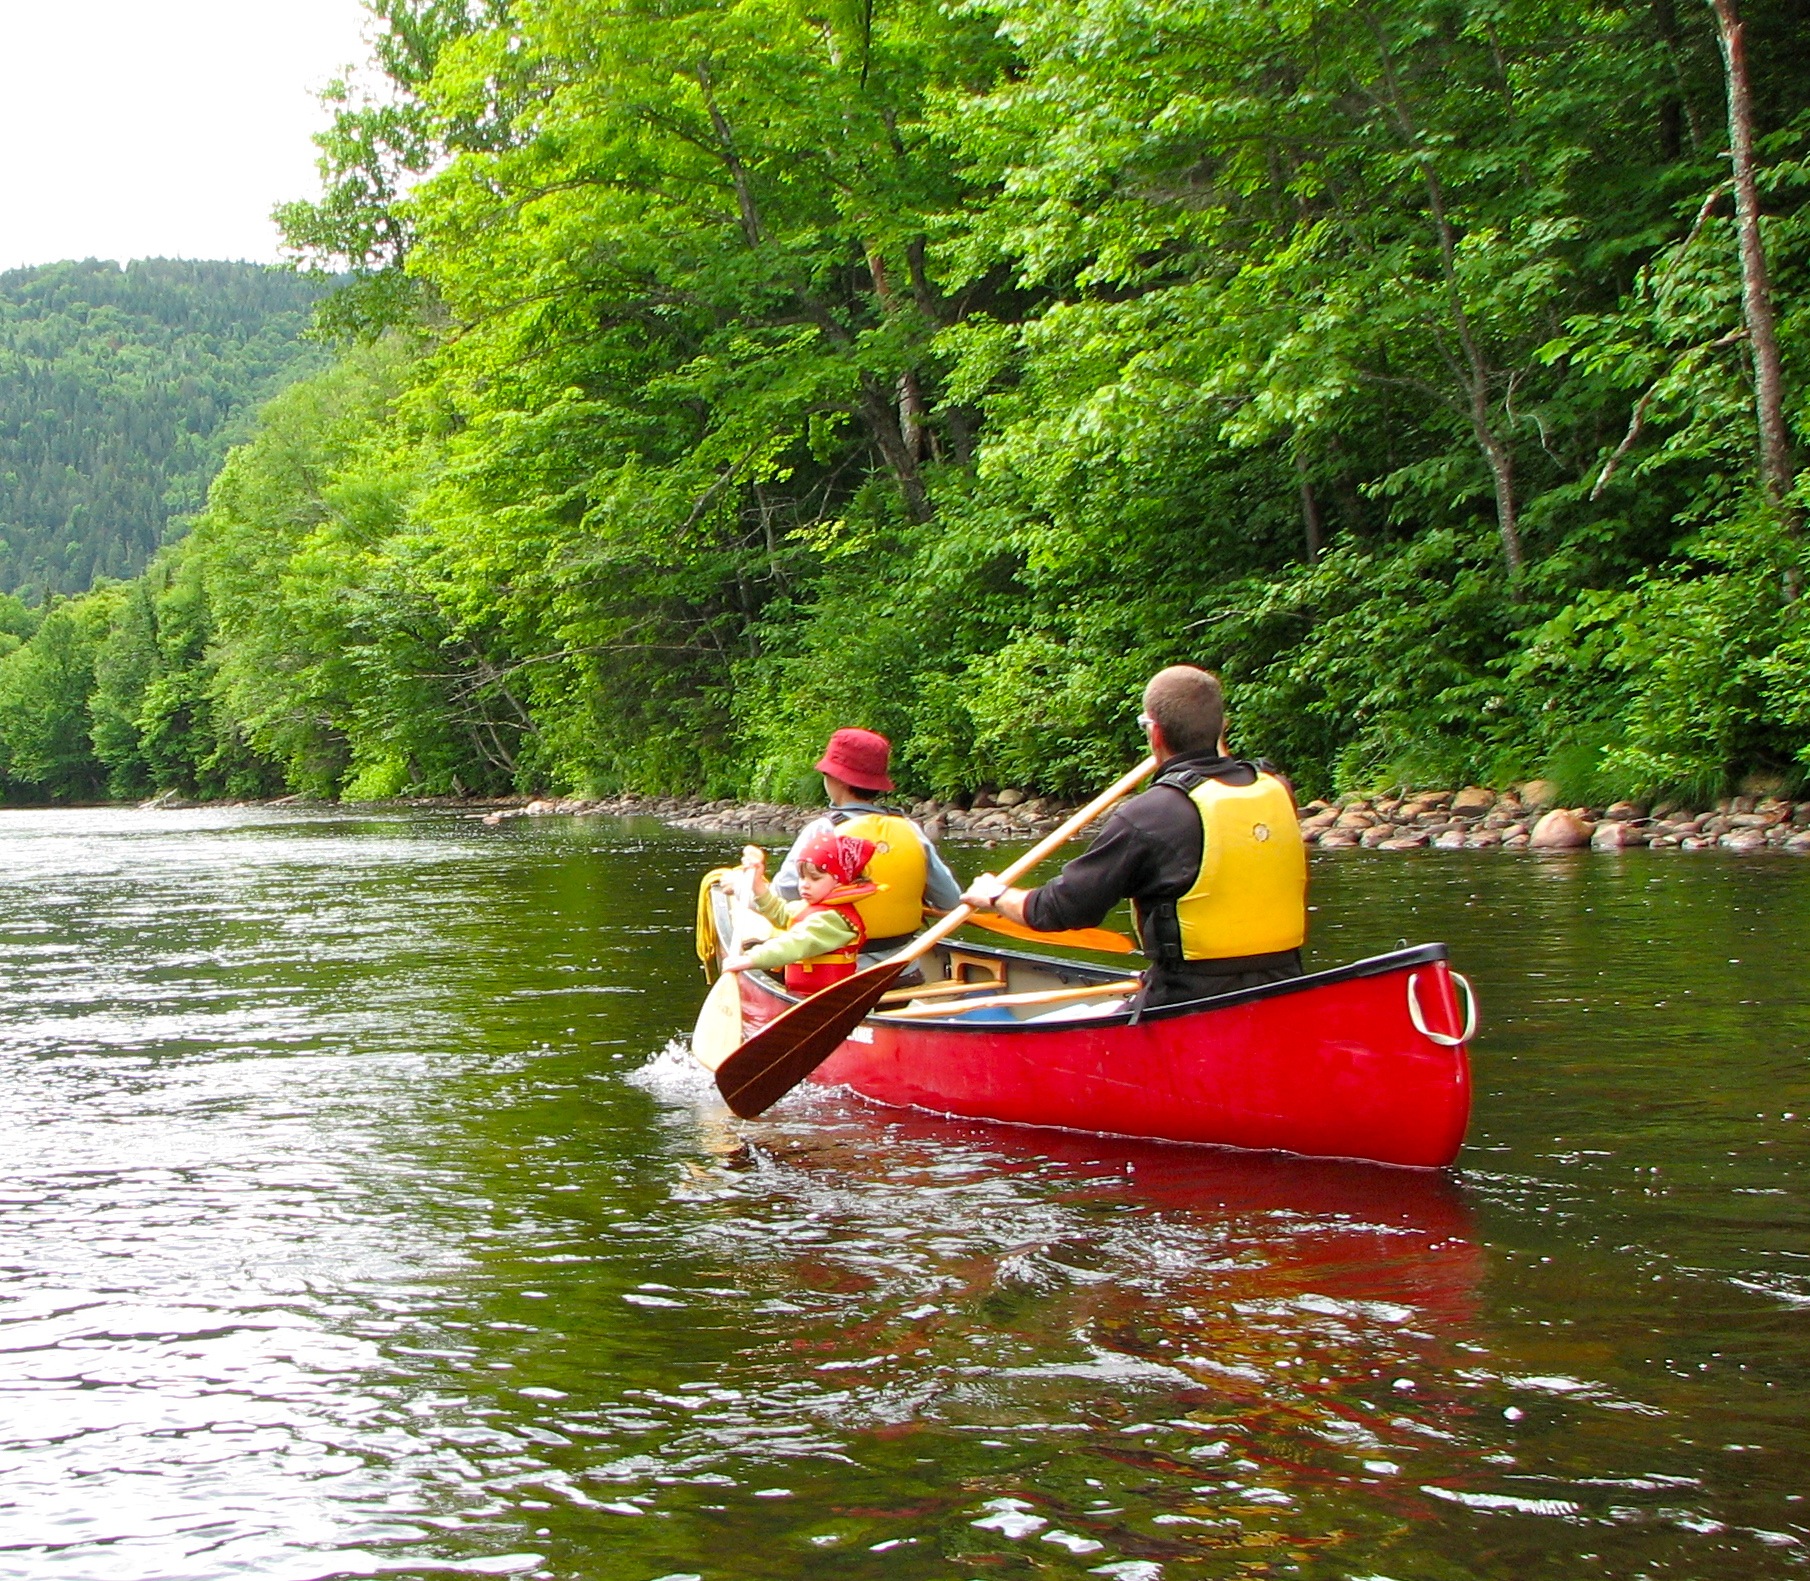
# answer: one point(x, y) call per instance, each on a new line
point(708, 943)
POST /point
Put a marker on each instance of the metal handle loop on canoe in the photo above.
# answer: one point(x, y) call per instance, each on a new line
point(1445, 1039)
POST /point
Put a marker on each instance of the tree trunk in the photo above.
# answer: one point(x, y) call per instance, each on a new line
point(1310, 511)
point(1756, 289)
point(882, 420)
point(1502, 475)
point(1671, 107)
point(911, 415)
point(1475, 374)
point(963, 423)
point(738, 172)
point(911, 396)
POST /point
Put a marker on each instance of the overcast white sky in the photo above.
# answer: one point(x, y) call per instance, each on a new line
point(161, 128)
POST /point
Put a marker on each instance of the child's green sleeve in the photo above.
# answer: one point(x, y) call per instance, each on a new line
point(816, 935)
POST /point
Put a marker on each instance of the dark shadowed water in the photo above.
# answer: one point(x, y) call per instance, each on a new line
point(361, 1216)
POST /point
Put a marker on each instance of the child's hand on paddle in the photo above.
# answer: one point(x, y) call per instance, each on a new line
point(754, 864)
point(737, 962)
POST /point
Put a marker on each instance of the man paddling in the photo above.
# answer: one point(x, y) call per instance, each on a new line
point(1210, 857)
point(906, 868)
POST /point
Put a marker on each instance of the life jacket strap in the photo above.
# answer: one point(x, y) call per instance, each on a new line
point(1160, 929)
point(1185, 776)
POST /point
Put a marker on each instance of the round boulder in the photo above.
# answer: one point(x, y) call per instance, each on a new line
point(1403, 842)
point(1611, 835)
point(1559, 830)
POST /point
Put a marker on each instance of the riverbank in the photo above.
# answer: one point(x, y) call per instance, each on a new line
point(1471, 819)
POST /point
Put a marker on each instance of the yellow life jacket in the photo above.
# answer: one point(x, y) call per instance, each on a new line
point(1250, 897)
point(898, 867)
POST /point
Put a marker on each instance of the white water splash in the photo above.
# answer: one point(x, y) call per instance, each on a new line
point(1501, 1501)
point(672, 1073)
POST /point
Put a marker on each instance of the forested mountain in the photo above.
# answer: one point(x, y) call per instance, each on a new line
point(723, 371)
point(120, 392)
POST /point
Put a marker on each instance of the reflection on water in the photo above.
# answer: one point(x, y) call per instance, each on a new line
point(362, 1216)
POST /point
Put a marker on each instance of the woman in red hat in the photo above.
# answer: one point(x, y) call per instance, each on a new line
point(822, 933)
point(906, 871)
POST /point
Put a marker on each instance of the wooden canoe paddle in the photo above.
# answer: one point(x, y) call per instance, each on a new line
point(718, 1033)
point(792, 1045)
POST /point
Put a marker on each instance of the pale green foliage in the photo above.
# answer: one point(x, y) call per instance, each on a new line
point(44, 690)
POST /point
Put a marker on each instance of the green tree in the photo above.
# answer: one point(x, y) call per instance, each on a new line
point(45, 685)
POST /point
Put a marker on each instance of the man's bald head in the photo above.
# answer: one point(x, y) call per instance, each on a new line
point(1187, 705)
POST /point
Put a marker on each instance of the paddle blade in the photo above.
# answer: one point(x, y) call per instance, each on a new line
point(789, 1047)
point(1103, 939)
point(718, 1033)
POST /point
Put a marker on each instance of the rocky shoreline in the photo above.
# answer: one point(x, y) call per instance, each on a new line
point(1525, 818)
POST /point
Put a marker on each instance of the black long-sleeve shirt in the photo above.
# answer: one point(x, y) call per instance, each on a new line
point(1148, 851)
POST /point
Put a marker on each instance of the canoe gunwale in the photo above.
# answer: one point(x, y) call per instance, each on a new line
point(1087, 971)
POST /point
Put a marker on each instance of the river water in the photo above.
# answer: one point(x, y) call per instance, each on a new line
point(362, 1217)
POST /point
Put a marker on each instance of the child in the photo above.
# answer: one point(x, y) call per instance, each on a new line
point(823, 933)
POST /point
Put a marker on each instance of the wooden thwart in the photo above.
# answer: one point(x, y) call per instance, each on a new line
point(1041, 996)
point(893, 996)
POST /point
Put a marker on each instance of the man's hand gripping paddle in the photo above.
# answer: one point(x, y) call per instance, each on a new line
point(789, 1047)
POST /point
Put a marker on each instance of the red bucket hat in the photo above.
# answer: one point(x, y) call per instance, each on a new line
point(858, 757)
point(843, 856)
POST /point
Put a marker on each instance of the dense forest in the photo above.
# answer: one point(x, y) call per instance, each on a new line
point(120, 392)
point(721, 371)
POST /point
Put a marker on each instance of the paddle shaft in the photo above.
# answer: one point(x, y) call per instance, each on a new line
point(894, 996)
point(1046, 847)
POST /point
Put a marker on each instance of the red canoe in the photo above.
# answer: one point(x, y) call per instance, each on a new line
point(1364, 1061)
